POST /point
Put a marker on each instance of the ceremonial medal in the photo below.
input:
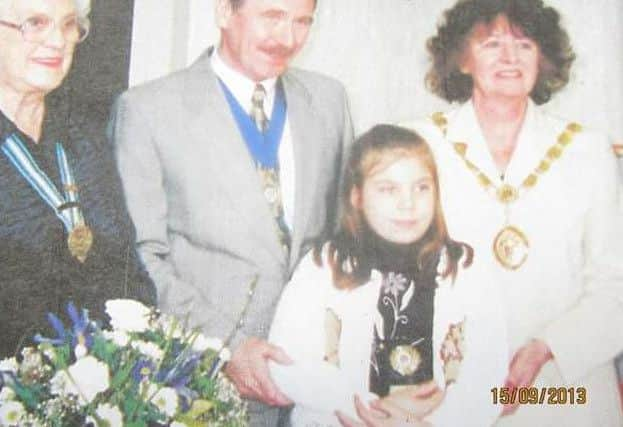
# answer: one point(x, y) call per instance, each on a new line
point(79, 241)
point(510, 247)
point(405, 359)
point(66, 206)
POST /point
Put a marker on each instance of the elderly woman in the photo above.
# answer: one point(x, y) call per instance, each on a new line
point(65, 234)
point(538, 199)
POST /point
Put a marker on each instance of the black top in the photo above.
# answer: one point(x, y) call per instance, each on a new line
point(37, 272)
point(402, 352)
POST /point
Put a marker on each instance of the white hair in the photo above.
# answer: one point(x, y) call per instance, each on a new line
point(83, 7)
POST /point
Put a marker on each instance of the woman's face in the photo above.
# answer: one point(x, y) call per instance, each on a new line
point(32, 67)
point(502, 62)
point(398, 200)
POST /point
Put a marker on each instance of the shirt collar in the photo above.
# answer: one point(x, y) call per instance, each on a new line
point(464, 127)
point(240, 85)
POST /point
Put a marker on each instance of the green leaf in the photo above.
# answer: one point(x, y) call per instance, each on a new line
point(200, 407)
point(190, 421)
point(26, 395)
point(123, 373)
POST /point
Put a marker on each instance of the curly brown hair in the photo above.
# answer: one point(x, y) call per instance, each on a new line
point(533, 18)
point(348, 256)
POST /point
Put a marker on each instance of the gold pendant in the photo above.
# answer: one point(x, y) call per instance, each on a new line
point(79, 241)
point(511, 247)
point(405, 359)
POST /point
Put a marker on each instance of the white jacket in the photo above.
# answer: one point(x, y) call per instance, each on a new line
point(569, 292)
point(319, 388)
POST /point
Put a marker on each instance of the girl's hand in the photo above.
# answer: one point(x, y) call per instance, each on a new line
point(387, 413)
point(419, 400)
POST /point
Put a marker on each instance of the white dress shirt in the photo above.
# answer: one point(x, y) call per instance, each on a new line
point(242, 89)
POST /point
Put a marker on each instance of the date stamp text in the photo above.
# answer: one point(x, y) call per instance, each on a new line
point(539, 396)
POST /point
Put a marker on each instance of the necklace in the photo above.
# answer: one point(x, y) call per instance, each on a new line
point(511, 245)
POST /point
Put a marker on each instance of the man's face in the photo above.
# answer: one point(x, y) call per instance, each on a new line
point(261, 37)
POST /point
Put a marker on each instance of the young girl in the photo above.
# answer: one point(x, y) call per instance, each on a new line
point(389, 303)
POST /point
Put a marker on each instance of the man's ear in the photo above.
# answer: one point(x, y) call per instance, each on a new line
point(223, 13)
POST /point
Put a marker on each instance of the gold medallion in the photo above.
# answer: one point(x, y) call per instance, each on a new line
point(405, 359)
point(79, 241)
point(511, 247)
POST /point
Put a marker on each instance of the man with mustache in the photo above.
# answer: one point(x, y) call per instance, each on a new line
point(230, 169)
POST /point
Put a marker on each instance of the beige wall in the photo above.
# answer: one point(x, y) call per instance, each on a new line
point(376, 47)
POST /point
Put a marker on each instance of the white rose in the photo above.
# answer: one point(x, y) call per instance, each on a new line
point(178, 424)
point(128, 315)
point(120, 338)
point(109, 414)
point(85, 379)
point(165, 399)
point(149, 349)
point(11, 414)
point(6, 394)
point(9, 365)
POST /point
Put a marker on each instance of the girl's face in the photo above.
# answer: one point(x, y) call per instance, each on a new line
point(397, 200)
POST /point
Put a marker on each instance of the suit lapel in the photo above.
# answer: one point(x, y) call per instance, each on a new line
point(219, 142)
point(306, 130)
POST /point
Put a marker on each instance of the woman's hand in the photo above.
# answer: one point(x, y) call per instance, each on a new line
point(405, 407)
point(525, 367)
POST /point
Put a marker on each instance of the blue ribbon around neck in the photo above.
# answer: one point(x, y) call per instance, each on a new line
point(264, 147)
point(19, 156)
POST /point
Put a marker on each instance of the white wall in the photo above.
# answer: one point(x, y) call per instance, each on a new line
point(376, 47)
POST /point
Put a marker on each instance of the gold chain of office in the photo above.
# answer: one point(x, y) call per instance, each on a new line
point(511, 246)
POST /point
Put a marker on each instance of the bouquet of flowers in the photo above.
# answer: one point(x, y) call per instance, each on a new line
point(148, 370)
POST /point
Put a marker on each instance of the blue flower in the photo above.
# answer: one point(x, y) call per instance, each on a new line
point(81, 329)
point(143, 369)
point(178, 373)
point(59, 328)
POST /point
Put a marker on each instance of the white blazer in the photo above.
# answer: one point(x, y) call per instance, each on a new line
point(319, 388)
point(569, 292)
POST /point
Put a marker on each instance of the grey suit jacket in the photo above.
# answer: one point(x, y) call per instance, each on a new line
point(204, 229)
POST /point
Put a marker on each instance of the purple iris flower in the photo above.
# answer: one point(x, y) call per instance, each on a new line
point(59, 328)
point(81, 329)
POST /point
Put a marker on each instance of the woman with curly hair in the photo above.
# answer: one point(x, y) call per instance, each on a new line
point(538, 199)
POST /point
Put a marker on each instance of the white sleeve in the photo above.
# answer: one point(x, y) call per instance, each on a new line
point(298, 327)
point(598, 313)
point(468, 401)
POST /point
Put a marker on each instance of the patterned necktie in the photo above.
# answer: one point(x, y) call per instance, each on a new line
point(270, 176)
point(257, 107)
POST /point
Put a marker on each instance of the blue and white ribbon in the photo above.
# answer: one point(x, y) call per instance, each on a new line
point(69, 186)
point(20, 157)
